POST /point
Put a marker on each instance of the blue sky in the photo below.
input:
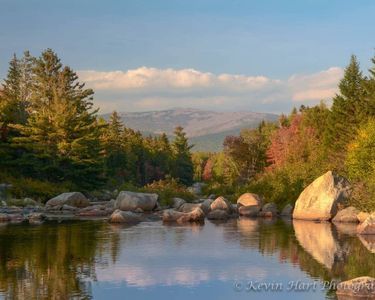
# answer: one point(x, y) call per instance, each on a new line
point(278, 40)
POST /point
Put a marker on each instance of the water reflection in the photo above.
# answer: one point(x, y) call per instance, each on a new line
point(93, 259)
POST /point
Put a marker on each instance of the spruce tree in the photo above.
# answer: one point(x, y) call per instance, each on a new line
point(114, 150)
point(183, 165)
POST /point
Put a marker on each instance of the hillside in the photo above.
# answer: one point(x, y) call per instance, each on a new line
point(206, 129)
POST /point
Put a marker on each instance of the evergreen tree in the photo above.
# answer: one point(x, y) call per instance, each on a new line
point(348, 108)
point(114, 150)
point(183, 165)
point(62, 131)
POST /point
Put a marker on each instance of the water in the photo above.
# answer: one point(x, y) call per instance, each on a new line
point(93, 259)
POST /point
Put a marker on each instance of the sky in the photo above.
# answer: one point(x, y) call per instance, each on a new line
point(266, 55)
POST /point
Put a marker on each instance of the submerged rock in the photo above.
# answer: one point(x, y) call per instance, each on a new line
point(131, 201)
point(368, 226)
point(119, 216)
point(357, 288)
point(320, 200)
point(348, 215)
point(75, 199)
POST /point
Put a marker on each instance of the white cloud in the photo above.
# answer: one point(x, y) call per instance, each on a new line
point(151, 88)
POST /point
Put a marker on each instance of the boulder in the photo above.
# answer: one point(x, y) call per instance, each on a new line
point(222, 204)
point(70, 208)
point(131, 201)
point(218, 214)
point(249, 211)
point(287, 210)
point(360, 287)
point(177, 202)
point(320, 200)
point(119, 216)
point(196, 215)
point(36, 218)
point(16, 218)
point(269, 210)
point(362, 216)
point(347, 215)
point(249, 199)
point(368, 226)
point(196, 188)
point(368, 241)
point(188, 207)
point(206, 205)
point(75, 199)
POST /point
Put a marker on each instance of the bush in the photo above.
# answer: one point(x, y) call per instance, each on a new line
point(168, 189)
point(35, 189)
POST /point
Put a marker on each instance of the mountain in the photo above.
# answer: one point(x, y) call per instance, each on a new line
point(205, 129)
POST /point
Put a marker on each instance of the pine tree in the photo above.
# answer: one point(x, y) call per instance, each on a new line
point(349, 110)
point(62, 131)
point(183, 165)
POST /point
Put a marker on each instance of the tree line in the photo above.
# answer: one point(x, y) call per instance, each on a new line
point(51, 132)
point(279, 160)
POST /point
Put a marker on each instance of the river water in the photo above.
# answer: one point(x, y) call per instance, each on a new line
point(239, 259)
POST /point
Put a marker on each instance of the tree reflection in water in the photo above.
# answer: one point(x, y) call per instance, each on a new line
point(62, 260)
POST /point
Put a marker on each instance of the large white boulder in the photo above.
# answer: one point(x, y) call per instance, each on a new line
point(320, 200)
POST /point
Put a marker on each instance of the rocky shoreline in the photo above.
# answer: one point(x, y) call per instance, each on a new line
point(322, 201)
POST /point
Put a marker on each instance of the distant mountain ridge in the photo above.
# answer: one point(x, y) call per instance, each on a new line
point(205, 129)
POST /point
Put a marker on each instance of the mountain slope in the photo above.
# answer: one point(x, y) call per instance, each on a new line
point(206, 129)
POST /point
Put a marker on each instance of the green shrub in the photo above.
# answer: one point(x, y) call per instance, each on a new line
point(36, 189)
point(168, 189)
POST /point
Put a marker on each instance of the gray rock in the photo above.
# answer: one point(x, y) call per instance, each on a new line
point(75, 199)
point(131, 201)
point(348, 215)
point(196, 188)
point(320, 200)
point(206, 205)
point(177, 202)
point(189, 207)
point(269, 210)
point(249, 211)
point(218, 214)
point(287, 210)
point(128, 217)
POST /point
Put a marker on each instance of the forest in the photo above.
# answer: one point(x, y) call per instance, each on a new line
point(52, 139)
